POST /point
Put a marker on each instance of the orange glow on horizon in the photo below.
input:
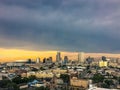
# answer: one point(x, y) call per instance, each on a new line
point(7, 55)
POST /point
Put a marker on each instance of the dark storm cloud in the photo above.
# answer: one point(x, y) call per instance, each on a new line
point(72, 25)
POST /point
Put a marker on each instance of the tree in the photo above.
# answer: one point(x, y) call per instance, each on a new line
point(89, 71)
point(3, 83)
point(42, 88)
point(88, 67)
point(109, 82)
point(12, 86)
point(42, 68)
point(119, 80)
point(104, 85)
point(75, 68)
point(47, 88)
point(65, 78)
point(31, 78)
point(25, 80)
point(17, 80)
point(34, 69)
point(97, 78)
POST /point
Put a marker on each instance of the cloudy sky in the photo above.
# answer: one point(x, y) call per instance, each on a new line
point(64, 25)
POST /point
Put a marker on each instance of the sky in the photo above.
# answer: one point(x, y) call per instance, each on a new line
point(60, 25)
point(8, 55)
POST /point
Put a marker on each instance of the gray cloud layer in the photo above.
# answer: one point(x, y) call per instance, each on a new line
point(71, 25)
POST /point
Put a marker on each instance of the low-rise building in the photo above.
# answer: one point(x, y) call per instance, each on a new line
point(41, 74)
point(103, 63)
point(60, 71)
point(75, 82)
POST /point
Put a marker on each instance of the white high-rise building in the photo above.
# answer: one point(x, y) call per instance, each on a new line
point(58, 57)
point(38, 60)
point(81, 57)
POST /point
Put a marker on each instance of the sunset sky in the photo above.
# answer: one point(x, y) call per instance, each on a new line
point(30, 27)
point(18, 54)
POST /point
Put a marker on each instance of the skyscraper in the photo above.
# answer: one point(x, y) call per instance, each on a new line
point(58, 57)
point(81, 57)
point(38, 60)
point(50, 59)
point(65, 60)
point(104, 58)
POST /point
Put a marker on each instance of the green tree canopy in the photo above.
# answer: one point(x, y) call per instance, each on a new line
point(97, 78)
point(65, 78)
point(32, 77)
point(12, 86)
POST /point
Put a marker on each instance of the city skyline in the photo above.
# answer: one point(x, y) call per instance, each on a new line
point(31, 27)
point(8, 55)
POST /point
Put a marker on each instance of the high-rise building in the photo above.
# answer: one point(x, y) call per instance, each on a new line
point(81, 57)
point(103, 58)
point(50, 59)
point(118, 60)
point(58, 57)
point(89, 60)
point(65, 60)
point(29, 61)
point(44, 60)
point(38, 60)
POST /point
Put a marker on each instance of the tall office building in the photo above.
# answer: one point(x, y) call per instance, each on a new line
point(65, 60)
point(81, 57)
point(50, 59)
point(38, 60)
point(58, 57)
point(104, 58)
